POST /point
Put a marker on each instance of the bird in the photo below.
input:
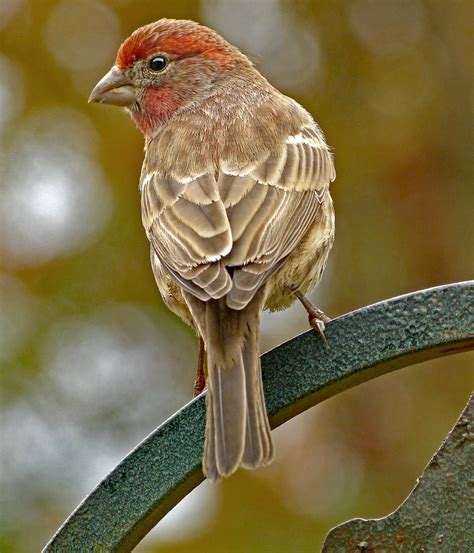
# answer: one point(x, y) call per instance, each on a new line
point(236, 206)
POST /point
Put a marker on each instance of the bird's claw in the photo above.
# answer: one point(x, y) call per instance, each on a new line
point(317, 318)
point(319, 325)
point(199, 385)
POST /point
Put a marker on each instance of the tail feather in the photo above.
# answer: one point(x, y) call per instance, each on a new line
point(237, 427)
point(209, 461)
point(258, 442)
point(227, 413)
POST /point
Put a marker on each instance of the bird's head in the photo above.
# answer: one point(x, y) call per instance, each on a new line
point(163, 66)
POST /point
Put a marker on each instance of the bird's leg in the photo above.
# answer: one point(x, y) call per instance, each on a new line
point(200, 382)
point(317, 319)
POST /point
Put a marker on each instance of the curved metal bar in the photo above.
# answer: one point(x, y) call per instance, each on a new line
point(436, 516)
point(300, 373)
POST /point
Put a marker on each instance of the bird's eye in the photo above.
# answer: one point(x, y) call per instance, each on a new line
point(158, 63)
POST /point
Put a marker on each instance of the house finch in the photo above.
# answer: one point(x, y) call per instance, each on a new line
point(236, 206)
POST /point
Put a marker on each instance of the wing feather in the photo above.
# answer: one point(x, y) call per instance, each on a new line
point(241, 214)
point(290, 170)
point(226, 236)
point(233, 188)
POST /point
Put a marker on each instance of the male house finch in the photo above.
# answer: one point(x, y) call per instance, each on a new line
point(235, 202)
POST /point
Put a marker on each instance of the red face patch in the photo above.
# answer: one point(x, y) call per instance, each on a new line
point(158, 105)
point(159, 38)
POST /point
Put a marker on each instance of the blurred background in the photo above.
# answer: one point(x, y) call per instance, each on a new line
point(92, 361)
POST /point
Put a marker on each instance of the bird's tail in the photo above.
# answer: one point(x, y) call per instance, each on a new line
point(237, 427)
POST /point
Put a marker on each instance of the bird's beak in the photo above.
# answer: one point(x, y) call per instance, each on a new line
point(114, 88)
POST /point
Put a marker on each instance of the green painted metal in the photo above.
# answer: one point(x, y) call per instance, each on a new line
point(438, 515)
point(300, 373)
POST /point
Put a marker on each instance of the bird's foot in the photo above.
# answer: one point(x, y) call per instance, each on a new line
point(317, 318)
point(320, 326)
point(200, 382)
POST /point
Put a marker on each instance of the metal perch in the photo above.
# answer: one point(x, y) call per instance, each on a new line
point(302, 372)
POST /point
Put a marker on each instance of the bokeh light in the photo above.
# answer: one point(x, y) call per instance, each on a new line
point(287, 53)
point(387, 28)
point(55, 199)
point(75, 47)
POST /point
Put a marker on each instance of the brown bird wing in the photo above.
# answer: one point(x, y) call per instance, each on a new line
point(187, 225)
point(226, 237)
point(271, 207)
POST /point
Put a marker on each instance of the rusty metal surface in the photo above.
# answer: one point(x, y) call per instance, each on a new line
point(300, 373)
point(438, 515)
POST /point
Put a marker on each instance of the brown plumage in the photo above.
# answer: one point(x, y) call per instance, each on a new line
point(236, 205)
